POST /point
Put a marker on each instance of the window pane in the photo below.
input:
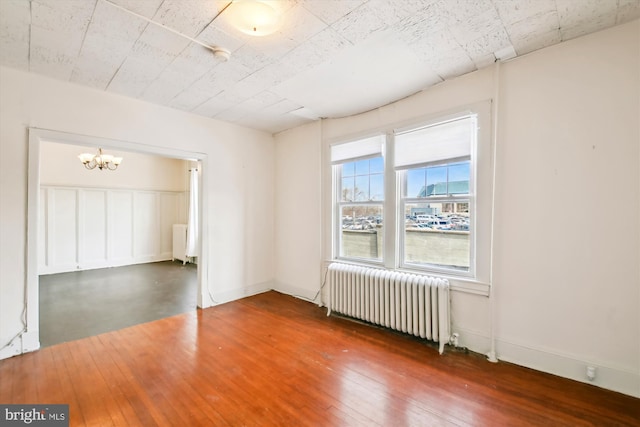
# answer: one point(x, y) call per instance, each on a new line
point(376, 184)
point(362, 167)
point(376, 165)
point(459, 178)
point(437, 234)
point(362, 188)
point(362, 232)
point(416, 181)
point(362, 181)
point(347, 191)
point(436, 181)
point(349, 169)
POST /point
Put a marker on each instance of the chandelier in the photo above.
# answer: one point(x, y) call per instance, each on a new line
point(100, 161)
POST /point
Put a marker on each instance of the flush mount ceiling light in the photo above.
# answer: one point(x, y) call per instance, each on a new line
point(253, 17)
point(100, 161)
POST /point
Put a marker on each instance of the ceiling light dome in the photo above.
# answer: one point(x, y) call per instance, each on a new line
point(254, 17)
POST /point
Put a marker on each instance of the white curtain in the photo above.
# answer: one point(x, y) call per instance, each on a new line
point(192, 225)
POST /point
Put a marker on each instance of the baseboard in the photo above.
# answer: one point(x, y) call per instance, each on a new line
point(609, 377)
point(122, 262)
point(25, 343)
point(302, 293)
point(216, 298)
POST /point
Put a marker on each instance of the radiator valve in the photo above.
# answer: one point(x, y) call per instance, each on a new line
point(454, 339)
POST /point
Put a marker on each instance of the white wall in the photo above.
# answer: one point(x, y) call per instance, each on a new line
point(61, 167)
point(298, 211)
point(238, 175)
point(566, 275)
point(97, 219)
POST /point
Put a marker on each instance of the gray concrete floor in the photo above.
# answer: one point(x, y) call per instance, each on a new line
point(87, 303)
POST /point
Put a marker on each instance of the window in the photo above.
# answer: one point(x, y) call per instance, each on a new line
point(413, 199)
point(434, 168)
point(359, 171)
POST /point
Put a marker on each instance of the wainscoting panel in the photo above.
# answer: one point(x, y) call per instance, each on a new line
point(87, 228)
point(63, 228)
point(121, 228)
point(92, 250)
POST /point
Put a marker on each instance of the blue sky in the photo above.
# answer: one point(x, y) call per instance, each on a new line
point(367, 177)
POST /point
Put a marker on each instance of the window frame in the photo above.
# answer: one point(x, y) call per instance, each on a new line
point(401, 177)
point(403, 201)
point(338, 204)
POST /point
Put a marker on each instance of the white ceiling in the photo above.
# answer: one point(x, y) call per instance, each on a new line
point(331, 58)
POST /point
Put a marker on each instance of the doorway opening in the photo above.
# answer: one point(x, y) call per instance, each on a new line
point(149, 282)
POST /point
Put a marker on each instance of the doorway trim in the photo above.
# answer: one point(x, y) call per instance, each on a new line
point(31, 336)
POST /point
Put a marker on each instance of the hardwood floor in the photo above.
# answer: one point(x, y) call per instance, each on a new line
point(86, 303)
point(273, 360)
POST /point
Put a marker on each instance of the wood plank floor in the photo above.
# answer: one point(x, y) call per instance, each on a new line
point(273, 360)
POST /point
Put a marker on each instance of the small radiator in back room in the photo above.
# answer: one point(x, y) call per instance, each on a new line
point(414, 304)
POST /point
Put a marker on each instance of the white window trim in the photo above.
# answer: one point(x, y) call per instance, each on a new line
point(483, 193)
point(337, 205)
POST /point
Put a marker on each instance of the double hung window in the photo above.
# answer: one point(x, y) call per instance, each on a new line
point(434, 167)
point(409, 199)
point(359, 171)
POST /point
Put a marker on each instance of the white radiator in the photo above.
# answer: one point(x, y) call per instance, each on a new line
point(414, 304)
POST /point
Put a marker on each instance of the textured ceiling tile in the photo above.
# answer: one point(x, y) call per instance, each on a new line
point(193, 63)
point(392, 11)
point(109, 22)
point(213, 106)
point(272, 47)
point(54, 53)
point(57, 31)
point(276, 72)
point(146, 8)
point(512, 12)
point(320, 48)
point(251, 58)
point(158, 45)
point(358, 25)
point(68, 16)
point(166, 87)
point(628, 10)
point(188, 100)
point(282, 107)
point(487, 43)
point(189, 17)
point(92, 70)
point(453, 12)
point(299, 24)
point(262, 100)
point(329, 11)
point(535, 32)
point(134, 76)
point(220, 78)
point(579, 17)
point(414, 28)
point(233, 114)
point(106, 45)
point(215, 36)
point(15, 17)
point(528, 42)
point(444, 55)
